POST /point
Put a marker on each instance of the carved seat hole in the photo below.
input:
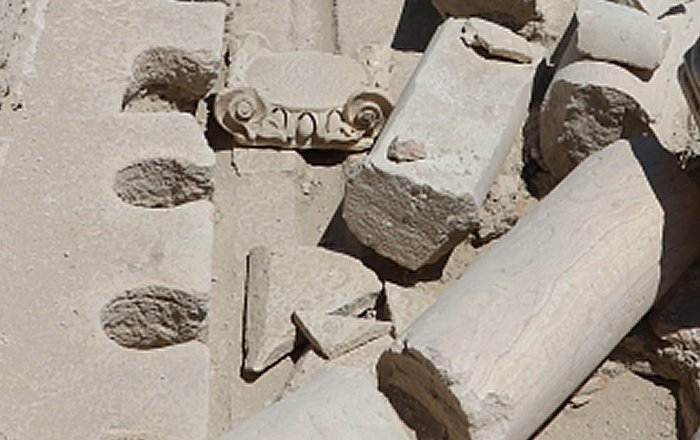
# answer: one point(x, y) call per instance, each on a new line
point(163, 183)
point(153, 317)
point(169, 80)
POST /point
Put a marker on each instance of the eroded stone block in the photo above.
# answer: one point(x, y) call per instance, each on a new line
point(303, 99)
point(281, 281)
point(610, 32)
point(414, 211)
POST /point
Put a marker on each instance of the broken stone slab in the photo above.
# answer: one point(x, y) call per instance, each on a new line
point(610, 32)
point(343, 404)
point(414, 212)
point(405, 305)
point(281, 281)
point(544, 21)
point(311, 365)
point(497, 41)
point(519, 318)
point(359, 23)
point(334, 335)
point(303, 99)
point(588, 106)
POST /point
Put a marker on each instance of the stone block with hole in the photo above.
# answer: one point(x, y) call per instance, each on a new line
point(418, 193)
point(106, 228)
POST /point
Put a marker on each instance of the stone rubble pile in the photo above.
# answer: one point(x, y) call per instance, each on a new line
point(266, 220)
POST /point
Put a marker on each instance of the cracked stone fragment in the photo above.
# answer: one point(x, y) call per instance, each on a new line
point(334, 335)
point(343, 404)
point(544, 21)
point(414, 212)
point(589, 105)
point(497, 41)
point(281, 281)
point(611, 32)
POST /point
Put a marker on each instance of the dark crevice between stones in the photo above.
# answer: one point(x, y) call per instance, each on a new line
point(154, 317)
point(163, 183)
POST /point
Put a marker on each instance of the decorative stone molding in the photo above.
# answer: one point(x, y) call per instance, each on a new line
point(304, 100)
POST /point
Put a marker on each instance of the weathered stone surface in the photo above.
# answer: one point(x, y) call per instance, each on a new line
point(343, 404)
point(517, 321)
point(362, 22)
point(610, 32)
point(541, 20)
point(68, 244)
point(153, 317)
point(497, 41)
point(283, 280)
point(405, 305)
point(333, 335)
point(415, 212)
point(689, 77)
point(589, 106)
point(321, 101)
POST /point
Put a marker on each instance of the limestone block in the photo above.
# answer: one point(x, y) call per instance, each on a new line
point(415, 211)
point(363, 22)
point(311, 365)
point(589, 106)
point(519, 318)
point(405, 305)
point(303, 99)
point(281, 281)
point(334, 335)
point(610, 32)
point(542, 20)
point(689, 76)
point(343, 404)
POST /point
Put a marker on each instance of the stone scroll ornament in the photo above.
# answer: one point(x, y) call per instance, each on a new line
point(304, 100)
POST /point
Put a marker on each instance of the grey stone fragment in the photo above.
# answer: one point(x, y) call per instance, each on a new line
point(497, 41)
point(617, 33)
point(405, 305)
point(283, 280)
point(334, 335)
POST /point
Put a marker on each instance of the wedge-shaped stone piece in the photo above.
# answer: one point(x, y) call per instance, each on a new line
point(303, 99)
point(611, 32)
point(343, 404)
point(284, 280)
point(334, 335)
point(541, 20)
point(519, 319)
point(496, 40)
point(415, 211)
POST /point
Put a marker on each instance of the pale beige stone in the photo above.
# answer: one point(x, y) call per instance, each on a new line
point(311, 365)
point(362, 22)
point(281, 281)
point(519, 318)
point(610, 32)
point(334, 335)
point(415, 212)
point(343, 404)
point(405, 305)
point(497, 41)
point(303, 99)
point(541, 20)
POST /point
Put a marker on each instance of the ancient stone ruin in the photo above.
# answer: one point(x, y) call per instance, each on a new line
point(349, 219)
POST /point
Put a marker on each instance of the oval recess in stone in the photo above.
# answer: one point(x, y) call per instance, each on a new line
point(153, 317)
point(163, 183)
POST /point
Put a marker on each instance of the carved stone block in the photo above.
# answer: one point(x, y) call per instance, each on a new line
point(304, 99)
